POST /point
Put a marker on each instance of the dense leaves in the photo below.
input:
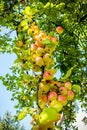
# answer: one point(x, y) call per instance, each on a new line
point(21, 16)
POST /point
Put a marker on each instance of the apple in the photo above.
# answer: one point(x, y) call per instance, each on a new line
point(33, 47)
point(76, 88)
point(38, 43)
point(56, 105)
point(68, 85)
point(46, 57)
point(48, 75)
point(21, 115)
point(34, 57)
point(44, 87)
point(59, 29)
point(42, 104)
point(63, 90)
point(54, 39)
point(62, 99)
point(36, 68)
point(48, 115)
point(44, 97)
point(70, 95)
point(39, 61)
point(40, 51)
point(52, 96)
point(20, 43)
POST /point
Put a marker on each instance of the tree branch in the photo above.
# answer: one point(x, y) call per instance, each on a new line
point(38, 88)
point(59, 123)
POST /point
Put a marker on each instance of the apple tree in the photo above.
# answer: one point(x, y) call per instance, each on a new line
point(49, 72)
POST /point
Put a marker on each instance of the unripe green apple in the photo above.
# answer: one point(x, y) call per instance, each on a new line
point(62, 99)
point(70, 95)
point(68, 85)
point(48, 115)
point(52, 96)
point(39, 61)
point(76, 88)
point(56, 105)
point(63, 90)
point(59, 29)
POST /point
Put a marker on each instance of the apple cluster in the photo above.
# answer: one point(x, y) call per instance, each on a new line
point(52, 95)
point(55, 95)
point(42, 49)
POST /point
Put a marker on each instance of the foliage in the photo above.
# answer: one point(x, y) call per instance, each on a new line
point(36, 20)
point(8, 123)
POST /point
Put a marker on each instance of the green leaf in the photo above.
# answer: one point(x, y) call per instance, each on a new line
point(48, 43)
point(68, 74)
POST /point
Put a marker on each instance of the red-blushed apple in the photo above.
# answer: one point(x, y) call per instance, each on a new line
point(52, 96)
point(68, 85)
point(44, 97)
point(59, 29)
point(39, 61)
point(70, 95)
point(62, 99)
point(39, 51)
point(39, 43)
point(56, 105)
point(48, 75)
point(33, 47)
point(46, 57)
point(63, 90)
point(54, 39)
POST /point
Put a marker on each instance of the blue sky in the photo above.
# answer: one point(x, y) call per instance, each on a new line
point(6, 61)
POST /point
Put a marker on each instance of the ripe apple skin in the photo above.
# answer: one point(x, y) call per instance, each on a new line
point(39, 51)
point(48, 75)
point(59, 29)
point(46, 57)
point(48, 115)
point(63, 90)
point(33, 47)
point(62, 99)
point(68, 85)
point(70, 95)
point(52, 96)
point(44, 98)
point(56, 105)
point(39, 61)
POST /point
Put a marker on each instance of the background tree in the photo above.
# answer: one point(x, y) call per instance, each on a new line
point(8, 123)
point(71, 49)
